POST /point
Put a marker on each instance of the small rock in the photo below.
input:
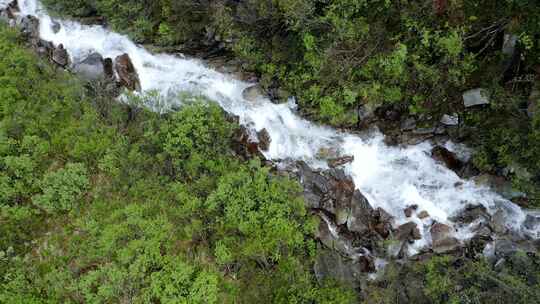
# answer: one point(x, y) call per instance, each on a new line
point(475, 97)
point(450, 120)
point(60, 56)
point(408, 232)
point(340, 161)
point(423, 214)
point(253, 93)
point(424, 131)
point(410, 210)
point(55, 26)
point(446, 157)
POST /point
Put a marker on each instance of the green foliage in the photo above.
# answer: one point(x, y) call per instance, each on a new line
point(98, 206)
point(63, 188)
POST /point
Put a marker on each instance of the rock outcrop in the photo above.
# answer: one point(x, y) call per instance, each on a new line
point(60, 56)
point(127, 75)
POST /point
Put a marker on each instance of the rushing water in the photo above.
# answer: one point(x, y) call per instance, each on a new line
point(390, 177)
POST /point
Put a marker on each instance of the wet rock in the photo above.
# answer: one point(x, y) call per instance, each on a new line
point(60, 56)
point(360, 215)
point(475, 97)
point(408, 232)
point(329, 235)
point(246, 143)
point(253, 93)
point(443, 239)
point(471, 213)
point(44, 48)
point(410, 210)
point(450, 120)
point(126, 73)
point(532, 222)
point(55, 26)
point(330, 265)
point(30, 27)
point(108, 68)
point(408, 124)
point(340, 161)
point(500, 185)
point(91, 67)
point(264, 140)
point(424, 131)
point(423, 214)
point(498, 222)
point(382, 222)
point(446, 157)
point(505, 248)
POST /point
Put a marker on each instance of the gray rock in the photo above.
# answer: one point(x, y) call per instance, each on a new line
point(532, 222)
point(442, 238)
point(60, 56)
point(450, 120)
point(475, 97)
point(471, 213)
point(330, 265)
point(91, 67)
point(505, 248)
point(498, 222)
point(408, 124)
point(30, 27)
point(55, 26)
point(360, 215)
point(253, 93)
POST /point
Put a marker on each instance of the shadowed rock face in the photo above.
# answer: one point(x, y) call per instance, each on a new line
point(127, 75)
point(92, 67)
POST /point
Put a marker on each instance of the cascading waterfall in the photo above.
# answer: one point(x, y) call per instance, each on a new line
point(390, 177)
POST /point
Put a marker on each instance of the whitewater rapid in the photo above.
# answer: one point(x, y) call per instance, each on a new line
point(390, 177)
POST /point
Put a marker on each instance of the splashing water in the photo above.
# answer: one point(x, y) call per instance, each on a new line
point(390, 177)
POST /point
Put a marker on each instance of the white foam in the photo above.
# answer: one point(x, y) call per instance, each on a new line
point(390, 177)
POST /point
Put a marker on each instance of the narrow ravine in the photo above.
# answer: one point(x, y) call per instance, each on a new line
point(390, 177)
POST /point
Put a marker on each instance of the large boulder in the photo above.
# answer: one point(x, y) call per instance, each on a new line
point(60, 56)
point(475, 97)
point(127, 74)
point(443, 240)
point(408, 232)
point(91, 68)
point(30, 27)
point(360, 217)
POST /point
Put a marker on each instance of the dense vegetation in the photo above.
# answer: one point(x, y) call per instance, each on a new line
point(102, 202)
point(99, 206)
point(345, 58)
